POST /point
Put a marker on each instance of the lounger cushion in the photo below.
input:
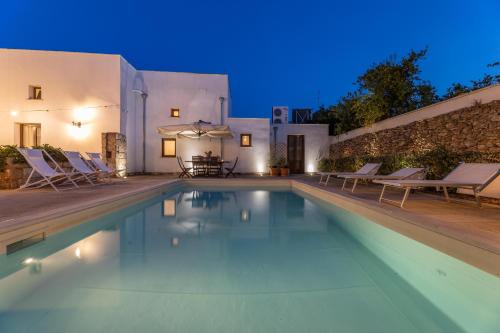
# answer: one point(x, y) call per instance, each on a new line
point(76, 162)
point(479, 173)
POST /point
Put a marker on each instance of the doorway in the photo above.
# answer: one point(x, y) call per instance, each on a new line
point(295, 153)
point(29, 135)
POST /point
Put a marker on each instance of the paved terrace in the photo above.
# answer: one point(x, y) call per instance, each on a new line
point(462, 221)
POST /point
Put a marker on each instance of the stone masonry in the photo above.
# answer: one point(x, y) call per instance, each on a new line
point(475, 128)
point(114, 151)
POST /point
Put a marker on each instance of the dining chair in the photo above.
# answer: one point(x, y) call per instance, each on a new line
point(214, 168)
point(230, 170)
point(198, 165)
point(185, 171)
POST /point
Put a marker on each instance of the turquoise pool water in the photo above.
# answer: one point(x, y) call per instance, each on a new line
point(240, 261)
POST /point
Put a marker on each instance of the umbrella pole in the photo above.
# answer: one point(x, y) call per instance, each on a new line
point(221, 148)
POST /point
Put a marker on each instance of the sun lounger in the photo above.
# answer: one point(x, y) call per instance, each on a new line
point(80, 167)
point(50, 176)
point(100, 166)
point(367, 169)
point(473, 176)
point(405, 173)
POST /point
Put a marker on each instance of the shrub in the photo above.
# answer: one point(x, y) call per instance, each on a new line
point(56, 153)
point(438, 161)
point(326, 164)
point(7, 151)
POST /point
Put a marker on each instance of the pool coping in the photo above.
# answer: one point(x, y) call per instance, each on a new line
point(59, 219)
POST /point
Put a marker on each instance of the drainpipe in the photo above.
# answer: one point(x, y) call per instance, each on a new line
point(144, 97)
point(222, 99)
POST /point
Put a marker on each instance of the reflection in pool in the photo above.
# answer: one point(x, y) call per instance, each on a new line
point(240, 261)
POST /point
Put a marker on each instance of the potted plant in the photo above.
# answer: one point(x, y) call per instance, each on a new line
point(284, 170)
point(274, 169)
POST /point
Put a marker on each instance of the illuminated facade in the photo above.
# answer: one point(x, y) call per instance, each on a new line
point(68, 99)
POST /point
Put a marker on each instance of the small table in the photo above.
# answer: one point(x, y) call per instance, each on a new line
point(207, 165)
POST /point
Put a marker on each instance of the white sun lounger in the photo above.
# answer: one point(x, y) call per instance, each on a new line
point(100, 166)
point(50, 176)
point(404, 173)
point(367, 169)
point(473, 176)
point(81, 167)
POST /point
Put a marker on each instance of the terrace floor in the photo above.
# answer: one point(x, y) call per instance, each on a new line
point(462, 221)
point(459, 219)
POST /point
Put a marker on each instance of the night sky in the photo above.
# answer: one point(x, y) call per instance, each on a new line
point(296, 53)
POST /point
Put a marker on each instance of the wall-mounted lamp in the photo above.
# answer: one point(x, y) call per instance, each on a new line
point(77, 124)
point(13, 113)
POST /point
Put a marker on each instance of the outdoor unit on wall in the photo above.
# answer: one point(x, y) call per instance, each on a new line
point(280, 115)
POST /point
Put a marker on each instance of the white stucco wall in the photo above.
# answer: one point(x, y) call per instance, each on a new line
point(316, 141)
point(71, 83)
point(74, 84)
point(131, 113)
point(197, 97)
point(250, 159)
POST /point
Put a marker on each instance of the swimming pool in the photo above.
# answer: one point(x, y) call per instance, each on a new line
point(235, 260)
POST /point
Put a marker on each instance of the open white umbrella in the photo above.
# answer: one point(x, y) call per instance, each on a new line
point(197, 130)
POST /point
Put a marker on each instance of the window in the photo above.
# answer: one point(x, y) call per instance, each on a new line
point(246, 140)
point(174, 113)
point(168, 148)
point(35, 92)
point(29, 135)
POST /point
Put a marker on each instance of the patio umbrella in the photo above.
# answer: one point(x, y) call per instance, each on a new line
point(197, 130)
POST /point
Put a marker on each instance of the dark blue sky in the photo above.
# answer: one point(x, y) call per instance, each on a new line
point(275, 52)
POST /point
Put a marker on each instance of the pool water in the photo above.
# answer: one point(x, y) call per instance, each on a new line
point(206, 260)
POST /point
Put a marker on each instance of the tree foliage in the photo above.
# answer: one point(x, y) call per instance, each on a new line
point(458, 88)
point(390, 88)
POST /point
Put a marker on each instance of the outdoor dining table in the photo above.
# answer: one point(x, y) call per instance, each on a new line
point(207, 164)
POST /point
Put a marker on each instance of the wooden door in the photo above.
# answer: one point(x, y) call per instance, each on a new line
point(295, 153)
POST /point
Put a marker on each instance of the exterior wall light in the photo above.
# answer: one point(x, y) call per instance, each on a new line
point(310, 168)
point(13, 113)
point(77, 124)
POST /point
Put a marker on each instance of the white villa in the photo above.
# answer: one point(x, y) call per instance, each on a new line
point(69, 100)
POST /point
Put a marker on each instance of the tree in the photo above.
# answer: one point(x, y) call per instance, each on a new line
point(455, 90)
point(391, 88)
point(386, 89)
point(486, 81)
point(325, 116)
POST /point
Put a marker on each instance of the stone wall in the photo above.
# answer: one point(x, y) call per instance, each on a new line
point(475, 128)
point(15, 174)
point(114, 151)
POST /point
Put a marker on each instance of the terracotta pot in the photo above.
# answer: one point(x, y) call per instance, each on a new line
point(275, 171)
point(285, 172)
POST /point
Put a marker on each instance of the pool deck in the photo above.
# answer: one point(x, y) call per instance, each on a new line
point(459, 221)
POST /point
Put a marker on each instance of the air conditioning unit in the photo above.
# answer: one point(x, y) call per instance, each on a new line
point(280, 115)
